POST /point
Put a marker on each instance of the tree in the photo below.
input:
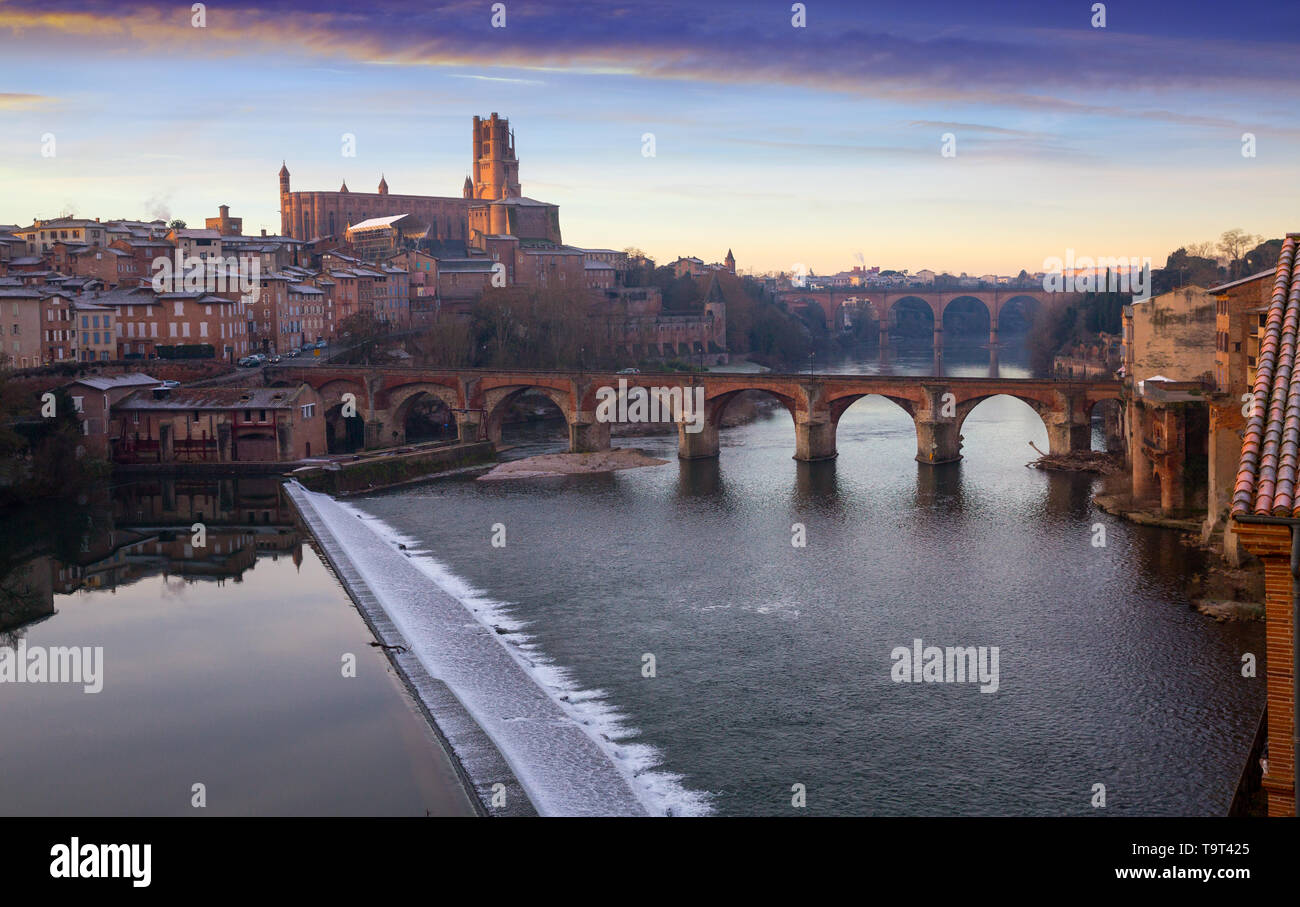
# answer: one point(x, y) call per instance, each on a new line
point(1184, 270)
point(1233, 244)
point(363, 333)
point(176, 224)
point(1263, 257)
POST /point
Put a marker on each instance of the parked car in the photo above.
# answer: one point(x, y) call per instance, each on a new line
point(628, 371)
point(170, 384)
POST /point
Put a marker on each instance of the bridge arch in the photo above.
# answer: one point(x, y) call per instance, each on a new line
point(1106, 417)
point(704, 443)
point(406, 400)
point(969, 313)
point(1041, 408)
point(344, 433)
point(715, 407)
point(910, 315)
point(840, 403)
point(498, 400)
point(1016, 313)
point(332, 391)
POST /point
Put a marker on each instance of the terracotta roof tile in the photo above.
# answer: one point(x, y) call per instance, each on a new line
point(1269, 470)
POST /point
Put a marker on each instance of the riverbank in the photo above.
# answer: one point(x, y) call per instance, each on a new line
point(569, 464)
point(524, 736)
point(396, 466)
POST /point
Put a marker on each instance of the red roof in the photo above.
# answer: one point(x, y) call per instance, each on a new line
point(1270, 449)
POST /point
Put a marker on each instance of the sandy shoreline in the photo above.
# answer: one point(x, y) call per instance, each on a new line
point(570, 464)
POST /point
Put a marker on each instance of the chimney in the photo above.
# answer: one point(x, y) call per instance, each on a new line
point(264, 231)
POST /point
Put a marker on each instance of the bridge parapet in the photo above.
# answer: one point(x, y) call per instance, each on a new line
point(480, 398)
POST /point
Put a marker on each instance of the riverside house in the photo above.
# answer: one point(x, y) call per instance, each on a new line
point(220, 425)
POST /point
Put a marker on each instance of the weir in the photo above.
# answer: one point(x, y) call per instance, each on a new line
point(503, 726)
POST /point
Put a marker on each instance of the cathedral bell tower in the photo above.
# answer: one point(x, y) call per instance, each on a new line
point(496, 169)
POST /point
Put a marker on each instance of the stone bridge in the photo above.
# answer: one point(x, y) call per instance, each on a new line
point(480, 399)
point(882, 304)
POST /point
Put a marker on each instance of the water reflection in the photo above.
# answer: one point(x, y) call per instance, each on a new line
point(939, 488)
point(700, 479)
point(817, 484)
point(122, 534)
point(221, 664)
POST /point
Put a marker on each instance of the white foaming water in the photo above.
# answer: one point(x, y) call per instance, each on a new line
point(572, 751)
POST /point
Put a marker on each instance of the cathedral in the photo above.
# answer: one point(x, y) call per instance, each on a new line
point(489, 203)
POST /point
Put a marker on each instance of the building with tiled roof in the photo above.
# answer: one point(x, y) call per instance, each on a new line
point(219, 424)
point(1266, 515)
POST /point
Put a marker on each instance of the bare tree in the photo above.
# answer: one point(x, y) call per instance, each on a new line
point(1234, 244)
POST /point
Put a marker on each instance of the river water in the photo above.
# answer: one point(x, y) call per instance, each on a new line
point(772, 663)
point(222, 673)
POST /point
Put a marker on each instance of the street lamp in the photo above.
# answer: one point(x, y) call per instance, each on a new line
point(811, 356)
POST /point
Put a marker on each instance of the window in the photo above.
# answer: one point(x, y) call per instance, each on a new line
point(309, 410)
point(77, 403)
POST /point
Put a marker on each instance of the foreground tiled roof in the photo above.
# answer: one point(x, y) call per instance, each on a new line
point(1270, 449)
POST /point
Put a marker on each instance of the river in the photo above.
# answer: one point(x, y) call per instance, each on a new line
point(224, 689)
point(772, 663)
point(772, 673)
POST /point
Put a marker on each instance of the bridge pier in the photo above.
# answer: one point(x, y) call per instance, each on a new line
point(588, 436)
point(814, 440)
point(938, 337)
point(1065, 435)
point(469, 425)
point(698, 445)
point(375, 433)
point(937, 440)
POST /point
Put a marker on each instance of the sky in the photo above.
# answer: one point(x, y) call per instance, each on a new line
point(821, 146)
